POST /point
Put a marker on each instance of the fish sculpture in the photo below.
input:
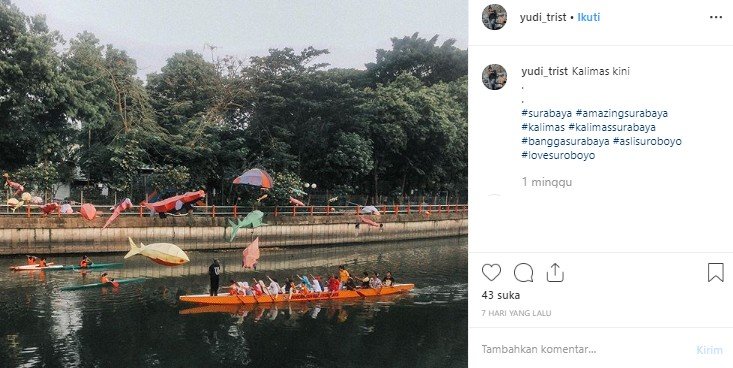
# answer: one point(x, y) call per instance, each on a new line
point(183, 202)
point(296, 202)
point(252, 220)
point(123, 206)
point(66, 209)
point(88, 211)
point(166, 254)
point(15, 186)
point(14, 203)
point(48, 208)
point(370, 222)
point(251, 254)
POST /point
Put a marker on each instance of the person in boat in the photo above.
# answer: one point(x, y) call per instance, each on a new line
point(32, 260)
point(105, 279)
point(304, 280)
point(265, 289)
point(333, 283)
point(244, 288)
point(343, 276)
point(214, 272)
point(85, 262)
point(365, 280)
point(257, 288)
point(43, 262)
point(288, 285)
point(291, 288)
point(303, 286)
point(388, 279)
point(350, 285)
point(375, 282)
point(274, 287)
point(315, 281)
point(233, 287)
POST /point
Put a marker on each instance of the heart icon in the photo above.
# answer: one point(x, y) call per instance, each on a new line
point(491, 271)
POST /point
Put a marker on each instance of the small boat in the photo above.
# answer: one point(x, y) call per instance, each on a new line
point(52, 267)
point(326, 295)
point(93, 265)
point(34, 267)
point(99, 284)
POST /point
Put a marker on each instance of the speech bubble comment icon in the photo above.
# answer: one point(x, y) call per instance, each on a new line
point(523, 273)
point(491, 271)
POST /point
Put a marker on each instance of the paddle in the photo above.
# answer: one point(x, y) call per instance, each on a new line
point(267, 290)
point(357, 290)
point(254, 291)
point(278, 287)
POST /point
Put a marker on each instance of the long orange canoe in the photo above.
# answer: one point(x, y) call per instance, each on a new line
point(326, 295)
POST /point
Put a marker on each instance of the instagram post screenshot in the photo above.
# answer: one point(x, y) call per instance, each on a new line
point(288, 183)
point(234, 183)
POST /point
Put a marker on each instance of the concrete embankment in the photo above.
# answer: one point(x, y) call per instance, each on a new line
point(72, 234)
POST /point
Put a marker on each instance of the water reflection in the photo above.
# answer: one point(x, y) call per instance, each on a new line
point(145, 324)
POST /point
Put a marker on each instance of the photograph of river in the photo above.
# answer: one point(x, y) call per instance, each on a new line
point(144, 325)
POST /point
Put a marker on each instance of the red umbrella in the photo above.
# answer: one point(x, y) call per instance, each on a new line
point(255, 177)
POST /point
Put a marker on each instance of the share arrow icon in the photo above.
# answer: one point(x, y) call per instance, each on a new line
point(555, 277)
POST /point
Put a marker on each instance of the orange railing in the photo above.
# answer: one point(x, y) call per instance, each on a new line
point(234, 211)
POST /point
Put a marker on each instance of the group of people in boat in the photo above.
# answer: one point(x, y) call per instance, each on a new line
point(41, 261)
point(311, 284)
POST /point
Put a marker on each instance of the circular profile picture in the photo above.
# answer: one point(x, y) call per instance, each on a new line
point(494, 17)
point(494, 76)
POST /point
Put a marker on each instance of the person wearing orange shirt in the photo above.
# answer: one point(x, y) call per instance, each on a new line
point(105, 280)
point(343, 276)
point(85, 262)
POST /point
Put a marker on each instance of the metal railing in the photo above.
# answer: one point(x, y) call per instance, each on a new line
point(235, 211)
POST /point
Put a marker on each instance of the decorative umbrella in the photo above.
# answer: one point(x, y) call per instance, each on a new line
point(255, 177)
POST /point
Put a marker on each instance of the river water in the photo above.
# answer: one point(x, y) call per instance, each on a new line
point(144, 324)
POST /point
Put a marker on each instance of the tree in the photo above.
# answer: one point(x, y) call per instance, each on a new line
point(418, 134)
point(114, 112)
point(183, 91)
point(420, 58)
point(34, 92)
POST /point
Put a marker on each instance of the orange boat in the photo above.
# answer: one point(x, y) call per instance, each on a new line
point(326, 295)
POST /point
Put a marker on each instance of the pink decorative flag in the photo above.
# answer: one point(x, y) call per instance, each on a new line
point(251, 254)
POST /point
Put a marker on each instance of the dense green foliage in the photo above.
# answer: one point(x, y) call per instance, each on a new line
point(76, 109)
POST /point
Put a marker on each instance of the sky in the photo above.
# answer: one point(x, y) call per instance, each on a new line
point(152, 31)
